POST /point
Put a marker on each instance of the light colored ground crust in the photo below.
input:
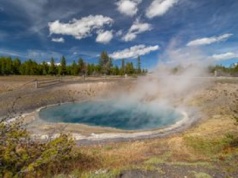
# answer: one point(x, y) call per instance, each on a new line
point(212, 101)
point(195, 152)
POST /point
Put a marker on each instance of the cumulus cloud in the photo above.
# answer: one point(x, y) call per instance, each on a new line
point(134, 51)
point(104, 37)
point(136, 28)
point(210, 40)
point(58, 40)
point(119, 33)
point(224, 56)
point(80, 28)
point(159, 7)
point(128, 7)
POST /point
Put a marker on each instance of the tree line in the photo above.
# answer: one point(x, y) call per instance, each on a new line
point(220, 70)
point(216, 70)
point(9, 66)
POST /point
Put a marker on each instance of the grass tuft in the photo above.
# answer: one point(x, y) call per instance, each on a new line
point(206, 146)
point(201, 175)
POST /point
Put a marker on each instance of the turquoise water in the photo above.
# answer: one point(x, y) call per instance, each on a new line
point(126, 116)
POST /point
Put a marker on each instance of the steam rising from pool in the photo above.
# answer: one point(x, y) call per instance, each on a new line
point(147, 104)
point(110, 113)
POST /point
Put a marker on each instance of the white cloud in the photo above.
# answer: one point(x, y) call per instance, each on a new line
point(128, 7)
point(224, 56)
point(57, 64)
point(119, 33)
point(134, 51)
point(210, 40)
point(159, 7)
point(58, 40)
point(136, 29)
point(104, 37)
point(80, 28)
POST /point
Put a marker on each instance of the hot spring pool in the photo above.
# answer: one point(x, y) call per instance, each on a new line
point(113, 114)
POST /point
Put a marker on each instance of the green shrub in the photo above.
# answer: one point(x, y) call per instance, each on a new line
point(21, 156)
point(206, 146)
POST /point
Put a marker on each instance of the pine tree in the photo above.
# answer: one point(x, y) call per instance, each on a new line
point(62, 67)
point(3, 66)
point(123, 67)
point(74, 69)
point(138, 65)
point(130, 68)
point(16, 66)
point(90, 69)
point(81, 66)
point(105, 63)
point(8, 66)
point(45, 68)
point(52, 68)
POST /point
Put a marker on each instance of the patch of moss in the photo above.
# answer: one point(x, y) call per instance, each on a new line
point(201, 175)
point(206, 146)
point(200, 164)
point(159, 159)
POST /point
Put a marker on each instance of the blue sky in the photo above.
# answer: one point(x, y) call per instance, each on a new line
point(42, 29)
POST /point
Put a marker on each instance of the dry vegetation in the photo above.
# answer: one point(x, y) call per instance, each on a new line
point(210, 146)
point(207, 149)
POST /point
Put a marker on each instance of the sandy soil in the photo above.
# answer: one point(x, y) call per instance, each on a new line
point(23, 101)
point(168, 156)
point(218, 103)
point(25, 98)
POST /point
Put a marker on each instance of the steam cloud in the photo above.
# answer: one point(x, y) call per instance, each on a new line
point(172, 84)
point(175, 80)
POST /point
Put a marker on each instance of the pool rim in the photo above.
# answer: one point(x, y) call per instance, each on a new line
point(183, 115)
